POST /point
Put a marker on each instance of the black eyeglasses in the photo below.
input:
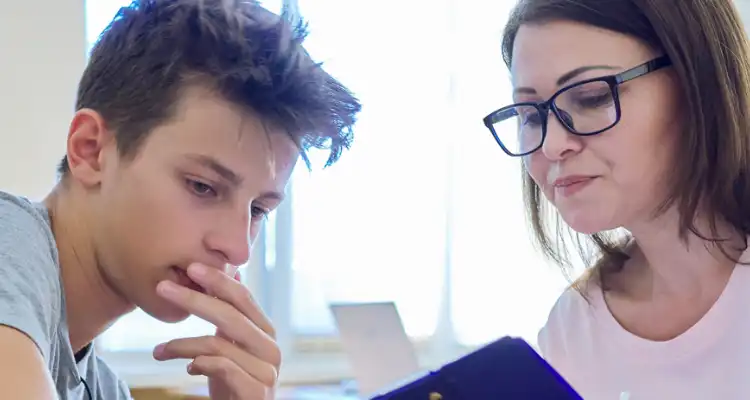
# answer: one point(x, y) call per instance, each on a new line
point(584, 108)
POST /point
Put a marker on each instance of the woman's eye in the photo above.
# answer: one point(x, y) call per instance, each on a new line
point(595, 101)
point(201, 189)
point(533, 119)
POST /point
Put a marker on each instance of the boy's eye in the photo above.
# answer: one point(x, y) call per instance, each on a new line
point(258, 212)
point(201, 189)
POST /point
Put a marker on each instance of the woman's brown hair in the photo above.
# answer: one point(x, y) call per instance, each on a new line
point(707, 45)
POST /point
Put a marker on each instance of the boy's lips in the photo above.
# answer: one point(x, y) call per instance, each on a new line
point(182, 279)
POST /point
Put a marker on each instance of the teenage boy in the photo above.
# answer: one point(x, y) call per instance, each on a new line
point(191, 115)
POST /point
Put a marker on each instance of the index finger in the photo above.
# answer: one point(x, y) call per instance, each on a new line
point(231, 290)
point(235, 327)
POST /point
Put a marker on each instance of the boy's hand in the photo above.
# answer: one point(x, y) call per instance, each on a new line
point(242, 360)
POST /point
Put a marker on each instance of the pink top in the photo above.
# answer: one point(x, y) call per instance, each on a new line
point(603, 361)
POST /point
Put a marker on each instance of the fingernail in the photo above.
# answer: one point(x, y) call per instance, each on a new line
point(159, 350)
point(231, 270)
point(167, 288)
point(197, 270)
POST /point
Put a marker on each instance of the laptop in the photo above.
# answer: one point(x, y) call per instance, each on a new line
point(379, 350)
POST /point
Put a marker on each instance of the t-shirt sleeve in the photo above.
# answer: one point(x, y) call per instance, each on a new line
point(551, 339)
point(549, 347)
point(29, 278)
point(543, 343)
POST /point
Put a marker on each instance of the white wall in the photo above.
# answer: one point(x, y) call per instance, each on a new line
point(43, 47)
point(42, 55)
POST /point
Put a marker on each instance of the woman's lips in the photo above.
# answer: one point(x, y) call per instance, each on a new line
point(570, 186)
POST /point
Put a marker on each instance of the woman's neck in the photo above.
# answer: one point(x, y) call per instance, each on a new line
point(663, 264)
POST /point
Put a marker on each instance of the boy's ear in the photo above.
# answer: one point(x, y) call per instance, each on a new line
point(89, 144)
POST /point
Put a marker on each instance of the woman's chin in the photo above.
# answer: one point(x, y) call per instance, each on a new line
point(587, 223)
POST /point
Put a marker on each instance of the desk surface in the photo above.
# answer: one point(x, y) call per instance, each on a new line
point(287, 393)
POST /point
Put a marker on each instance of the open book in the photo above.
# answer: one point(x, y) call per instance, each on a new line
point(506, 369)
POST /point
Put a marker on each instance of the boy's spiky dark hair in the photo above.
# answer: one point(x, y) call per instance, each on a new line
point(153, 49)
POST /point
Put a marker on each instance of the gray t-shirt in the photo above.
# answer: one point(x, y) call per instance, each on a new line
point(32, 300)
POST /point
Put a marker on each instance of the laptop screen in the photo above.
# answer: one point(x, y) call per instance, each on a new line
point(374, 339)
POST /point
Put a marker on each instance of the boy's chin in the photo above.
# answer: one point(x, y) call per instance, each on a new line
point(167, 313)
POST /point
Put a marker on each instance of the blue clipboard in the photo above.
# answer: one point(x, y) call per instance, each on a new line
point(508, 368)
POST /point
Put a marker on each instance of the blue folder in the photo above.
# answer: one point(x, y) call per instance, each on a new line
point(506, 369)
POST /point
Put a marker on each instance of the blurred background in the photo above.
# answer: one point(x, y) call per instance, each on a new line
point(424, 211)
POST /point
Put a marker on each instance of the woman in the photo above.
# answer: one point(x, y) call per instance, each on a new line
point(631, 118)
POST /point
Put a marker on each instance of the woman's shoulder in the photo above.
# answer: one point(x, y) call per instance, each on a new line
point(569, 322)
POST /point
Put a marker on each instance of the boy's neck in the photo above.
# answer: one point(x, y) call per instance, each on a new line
point(92, 304)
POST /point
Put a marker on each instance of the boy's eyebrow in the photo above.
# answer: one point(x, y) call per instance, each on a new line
point(216, 166)
point(232, 177)
point(274, 196)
